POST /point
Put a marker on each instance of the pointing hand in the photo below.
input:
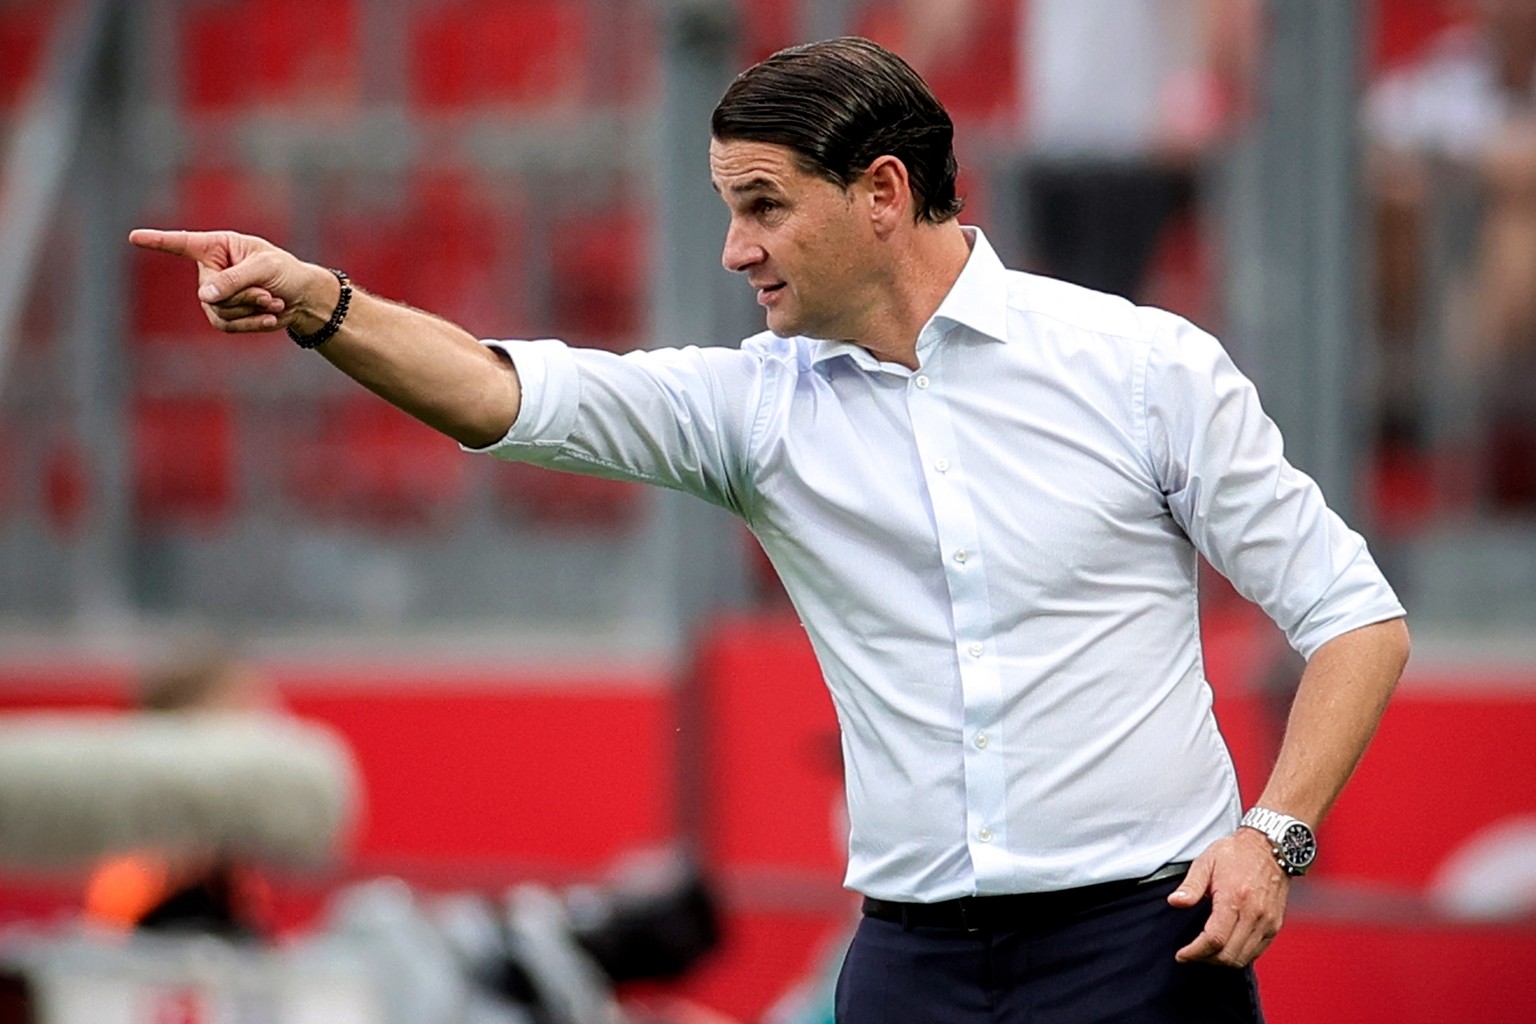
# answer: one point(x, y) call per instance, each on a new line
point(247, 284)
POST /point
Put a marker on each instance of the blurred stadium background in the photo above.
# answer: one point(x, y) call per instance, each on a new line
point(539, 673)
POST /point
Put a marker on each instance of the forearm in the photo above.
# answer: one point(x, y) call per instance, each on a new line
point(425, 365)
point(1339, 702)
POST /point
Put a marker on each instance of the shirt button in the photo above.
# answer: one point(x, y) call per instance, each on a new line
point(981, 740)
point(975, 650)
point(985, 834)
point(962, 555)
point(921, 380)
point(942, 465)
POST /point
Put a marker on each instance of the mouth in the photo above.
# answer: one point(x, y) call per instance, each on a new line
point(768, 292)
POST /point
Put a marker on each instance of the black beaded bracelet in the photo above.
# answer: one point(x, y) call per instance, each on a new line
point(332, 325)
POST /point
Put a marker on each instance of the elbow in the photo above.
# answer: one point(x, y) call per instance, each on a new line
point(488, 418)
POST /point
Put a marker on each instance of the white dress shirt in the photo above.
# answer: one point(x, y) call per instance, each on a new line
point(994, 556)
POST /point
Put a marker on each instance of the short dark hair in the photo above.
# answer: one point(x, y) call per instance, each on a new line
point(839, 105)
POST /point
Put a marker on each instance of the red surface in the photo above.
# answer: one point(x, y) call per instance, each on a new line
point(564, 774)
point(1322, 972)
point(1462, 759)
point(462, 771)
point(772, 757)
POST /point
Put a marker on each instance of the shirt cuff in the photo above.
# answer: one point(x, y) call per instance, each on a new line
point(1361, 596)
point(550, 388)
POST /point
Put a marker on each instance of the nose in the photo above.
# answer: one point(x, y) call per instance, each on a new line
point(740, 253)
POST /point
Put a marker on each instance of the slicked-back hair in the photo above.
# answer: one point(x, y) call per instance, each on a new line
point(840, 104)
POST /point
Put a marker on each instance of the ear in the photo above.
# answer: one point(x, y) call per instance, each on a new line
point(889, 194)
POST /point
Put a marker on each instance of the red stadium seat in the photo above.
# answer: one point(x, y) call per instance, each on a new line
point(508, 52)
point(598, 276)
point(270, 52)
point(368, 463)
point(183, 461)
point(453, 249)
point(565, 501)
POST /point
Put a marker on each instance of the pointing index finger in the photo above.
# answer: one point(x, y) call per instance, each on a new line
point(193, 244)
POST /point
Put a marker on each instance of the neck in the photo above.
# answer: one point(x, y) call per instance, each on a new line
point(921, 274)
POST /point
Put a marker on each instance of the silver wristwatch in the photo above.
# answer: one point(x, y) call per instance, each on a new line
point(1292, 839)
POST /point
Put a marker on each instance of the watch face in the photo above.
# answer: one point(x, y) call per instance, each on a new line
point(1298, 846)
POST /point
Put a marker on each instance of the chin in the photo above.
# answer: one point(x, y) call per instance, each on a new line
point(784, 327)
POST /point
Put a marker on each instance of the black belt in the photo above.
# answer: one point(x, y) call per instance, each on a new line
point(980, 913)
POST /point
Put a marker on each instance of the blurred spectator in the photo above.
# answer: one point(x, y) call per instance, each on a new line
point(1462, 118)
point(1120, 102)
point(205, 891)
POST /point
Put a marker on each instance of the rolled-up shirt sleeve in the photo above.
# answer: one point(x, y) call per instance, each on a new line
point(1260, 522)
point(677, 418)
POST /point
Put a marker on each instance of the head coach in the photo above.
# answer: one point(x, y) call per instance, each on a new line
point(985, 492)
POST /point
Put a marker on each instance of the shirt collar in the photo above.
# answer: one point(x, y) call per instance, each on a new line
point(978, 300)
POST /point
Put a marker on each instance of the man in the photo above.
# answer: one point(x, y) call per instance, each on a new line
point(985, 492)
point(1456, 124)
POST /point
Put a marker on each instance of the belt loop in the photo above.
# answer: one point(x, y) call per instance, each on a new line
point(906, 918)
point(970, 914)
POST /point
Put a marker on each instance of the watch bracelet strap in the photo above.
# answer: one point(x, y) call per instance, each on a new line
point(1267, 821)
point(1272, 824)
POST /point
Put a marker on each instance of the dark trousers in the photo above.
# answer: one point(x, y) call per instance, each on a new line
point(1110, 963)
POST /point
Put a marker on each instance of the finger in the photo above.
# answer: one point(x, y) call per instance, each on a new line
point(1195, 885)
point(1244, 947)
point(193, 244)
point(255, 299)
point(226, 284)
point(227, 312)
point(1242, 944)
point(1213, 937)
point(245, 325)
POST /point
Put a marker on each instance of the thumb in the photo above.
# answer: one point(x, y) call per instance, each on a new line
point(1192, 890)
point(252, 271)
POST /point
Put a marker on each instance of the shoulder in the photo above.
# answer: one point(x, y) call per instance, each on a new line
point(1048, 304)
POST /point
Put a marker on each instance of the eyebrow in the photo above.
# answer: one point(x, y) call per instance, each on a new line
point(748, 187)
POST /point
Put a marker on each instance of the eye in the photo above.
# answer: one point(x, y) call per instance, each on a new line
point(763, 207)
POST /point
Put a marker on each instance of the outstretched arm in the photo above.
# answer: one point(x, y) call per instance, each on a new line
point(1340, 700)
point(427, 366)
